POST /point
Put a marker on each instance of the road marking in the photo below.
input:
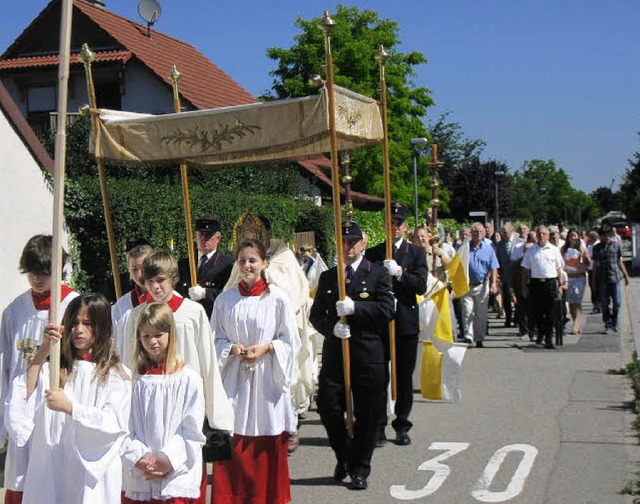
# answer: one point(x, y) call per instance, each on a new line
point(481, 490)
point(440, 472)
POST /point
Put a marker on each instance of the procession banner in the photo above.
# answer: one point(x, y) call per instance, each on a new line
point(284, 129)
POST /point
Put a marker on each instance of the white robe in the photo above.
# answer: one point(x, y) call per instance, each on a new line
point(285, 272)
point(196, 348)
point(20, 320)
point(167, 412)
point(261, 398)
point(72, 458)
point(120, 312)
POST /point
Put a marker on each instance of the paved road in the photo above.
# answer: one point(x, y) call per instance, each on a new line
point(534, 426)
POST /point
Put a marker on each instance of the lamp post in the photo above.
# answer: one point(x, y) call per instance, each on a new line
point(496, 175)
point(415, 142)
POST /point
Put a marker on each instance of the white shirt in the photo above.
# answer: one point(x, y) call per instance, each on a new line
point(75, 458)
point(167, 412)
point(196, 348)
point(543, 262)
point(260, 396)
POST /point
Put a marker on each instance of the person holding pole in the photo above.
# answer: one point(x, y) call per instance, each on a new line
point(23, 323)
point(362, 318)
point(409, 272)
point(214, 268)
point(74, 432)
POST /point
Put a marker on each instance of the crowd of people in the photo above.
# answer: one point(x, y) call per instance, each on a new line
point(178, 374)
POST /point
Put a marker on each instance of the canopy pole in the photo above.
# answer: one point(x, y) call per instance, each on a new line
point(58, 184)
point(381, 57)
point(327, 25)
point(434, 166)
point(87, 56)
point(175, 76)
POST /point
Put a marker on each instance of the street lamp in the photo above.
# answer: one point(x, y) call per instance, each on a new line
point(496, 175)
point(415, 142)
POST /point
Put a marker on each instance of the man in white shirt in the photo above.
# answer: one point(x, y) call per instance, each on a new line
point(541, 280)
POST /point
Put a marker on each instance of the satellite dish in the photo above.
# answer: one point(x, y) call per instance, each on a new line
point(150, 11)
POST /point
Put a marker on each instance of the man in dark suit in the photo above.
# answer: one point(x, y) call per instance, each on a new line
point(409, 272)
point(503, 252)
point(214, 268)
point(367, 308)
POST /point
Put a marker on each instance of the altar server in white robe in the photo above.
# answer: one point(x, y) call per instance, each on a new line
point(257, 343)
point(193, 335)
point(163, 452)
point(23, 323)
point(76, 431)
point(123, 307)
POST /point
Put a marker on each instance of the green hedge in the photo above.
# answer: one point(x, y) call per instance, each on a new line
point(154, 210)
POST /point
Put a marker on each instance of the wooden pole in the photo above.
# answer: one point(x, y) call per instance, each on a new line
point(175, 76)
point(86, 56)
point(58, 184)
point(326, 25)
point(381, 57)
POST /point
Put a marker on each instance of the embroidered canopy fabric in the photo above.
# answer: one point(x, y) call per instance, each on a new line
point(283, 129)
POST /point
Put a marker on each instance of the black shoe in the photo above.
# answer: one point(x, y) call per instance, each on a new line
point(402, 438)
point(381, 439)
point(358, 483)
point(479, 344)
point(340, 472)
point(549, 345)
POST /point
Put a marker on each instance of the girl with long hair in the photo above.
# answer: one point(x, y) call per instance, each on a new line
point(76, 431)
point(256, 339)
point(162, 455)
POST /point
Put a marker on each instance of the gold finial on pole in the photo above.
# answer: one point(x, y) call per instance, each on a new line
point(382, 56)
point(327, 24)
point(175, 76)
point(87, 56)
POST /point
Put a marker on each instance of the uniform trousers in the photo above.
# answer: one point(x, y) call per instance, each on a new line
point(367, 387)
point(406, 356)
point(475, 305)
point(542, 294)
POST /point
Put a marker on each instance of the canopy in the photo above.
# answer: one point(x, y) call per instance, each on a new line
point(293, 128)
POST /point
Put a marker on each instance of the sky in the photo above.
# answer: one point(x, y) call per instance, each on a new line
point(534, 79)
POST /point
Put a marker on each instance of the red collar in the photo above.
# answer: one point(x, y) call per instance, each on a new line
point(86, 357)
point(43, 301)
point(257, 289)
point(138, 297)
point(175, 302)
point(156, 368)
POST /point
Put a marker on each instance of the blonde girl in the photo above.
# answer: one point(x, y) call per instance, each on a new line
point(162, 455)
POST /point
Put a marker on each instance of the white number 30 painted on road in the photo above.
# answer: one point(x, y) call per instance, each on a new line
point(481, 490)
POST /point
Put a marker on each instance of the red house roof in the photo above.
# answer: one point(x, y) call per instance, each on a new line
point(203, 84)
point(24, 131)
point(54, 59)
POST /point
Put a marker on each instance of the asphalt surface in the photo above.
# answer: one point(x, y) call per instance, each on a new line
point(533, 426)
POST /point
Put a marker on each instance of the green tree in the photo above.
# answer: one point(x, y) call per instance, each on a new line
point(630, 188)
point(543, 194)
point(355, 39)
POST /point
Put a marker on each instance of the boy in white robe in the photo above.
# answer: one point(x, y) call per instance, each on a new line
point(23, 323)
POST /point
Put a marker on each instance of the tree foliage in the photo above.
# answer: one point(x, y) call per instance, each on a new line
point(355, 40)
point(630, 188)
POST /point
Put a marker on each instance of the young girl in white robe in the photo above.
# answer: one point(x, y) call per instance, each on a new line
point(163, 452)
point(76, 431)
point(257, 343)
point(23, 323)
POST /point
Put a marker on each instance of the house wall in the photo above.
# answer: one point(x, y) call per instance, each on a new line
point(144, 92)
point(25, 208)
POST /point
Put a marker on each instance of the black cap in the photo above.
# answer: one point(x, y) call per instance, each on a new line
point(208, 224)
point(133, 242)
point(351, 231)
point(398, 211)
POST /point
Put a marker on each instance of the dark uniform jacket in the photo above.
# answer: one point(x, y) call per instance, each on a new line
point(412, 283)
point(374, 308)
point(213, 276)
